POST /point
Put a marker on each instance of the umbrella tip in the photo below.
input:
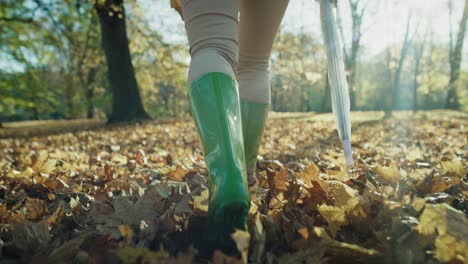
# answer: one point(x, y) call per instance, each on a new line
point(348, 153)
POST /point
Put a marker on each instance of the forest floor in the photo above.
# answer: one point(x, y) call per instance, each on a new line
point(137, 193)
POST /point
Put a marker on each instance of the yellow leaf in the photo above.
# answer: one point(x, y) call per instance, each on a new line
point(335, 217)
point(48, 166)
point(310, 174)
point(414, 155)
point(451, 228)
point(388, 174)
point(446, 248)
point(454, 166)
point(42, 156)
point(343, 194)
point(74, 202)
point(200, 202)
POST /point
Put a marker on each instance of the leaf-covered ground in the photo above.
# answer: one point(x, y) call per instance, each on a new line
point(137, 194)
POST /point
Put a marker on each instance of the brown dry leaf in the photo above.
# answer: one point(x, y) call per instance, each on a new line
point(108, 172)
point(35, 208)
point(304, 232)
point(140, 157)
point(388, 174)
point(451, 228)
point(441, 183)
point(52, 184)
point(126, 232)
point(177, 175)
point(310, 174)
point(56, 217)
point(428, 154)
point(3, 212)
point(335, 217)
point(317, 196)
point(280, 180)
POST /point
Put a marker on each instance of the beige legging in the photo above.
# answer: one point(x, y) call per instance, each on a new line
point(220, 43)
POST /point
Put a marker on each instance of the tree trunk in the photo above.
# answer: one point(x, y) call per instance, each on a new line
point(90, 93)
point(419, 53)
point(357, 13)
point(415, 86)
point(352, 61)
point(326, 101)
point(395, 96)
point(455, 57)
point(126, 101)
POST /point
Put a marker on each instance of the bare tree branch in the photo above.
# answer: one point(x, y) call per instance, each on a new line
point(17, 19)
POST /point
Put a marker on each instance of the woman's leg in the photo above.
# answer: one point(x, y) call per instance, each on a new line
point(211, 27)
point(259, 23)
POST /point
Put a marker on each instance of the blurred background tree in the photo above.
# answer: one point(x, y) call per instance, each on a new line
point(53, 62)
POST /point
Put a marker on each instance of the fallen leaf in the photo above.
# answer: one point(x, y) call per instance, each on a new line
point(242, 238)
point(454, 166)
point(126, 232)
point(388, 174)
point(450, 227)
point(74, 202)
point(335, 217)
point(35, 208)
point(200, 202)
point(310, 174)
point(140, 157)
point(280, 180)
point(414, 155)
point(343, 194)
point(304, 232)
point(177, 175)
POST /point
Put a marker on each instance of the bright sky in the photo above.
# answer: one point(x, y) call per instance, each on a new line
point(384, 23)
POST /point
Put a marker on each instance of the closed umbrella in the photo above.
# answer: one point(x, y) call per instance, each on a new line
point(337, 78)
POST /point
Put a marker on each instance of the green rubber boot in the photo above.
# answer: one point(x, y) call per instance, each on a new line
point(254, 115)
point(214, 101)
